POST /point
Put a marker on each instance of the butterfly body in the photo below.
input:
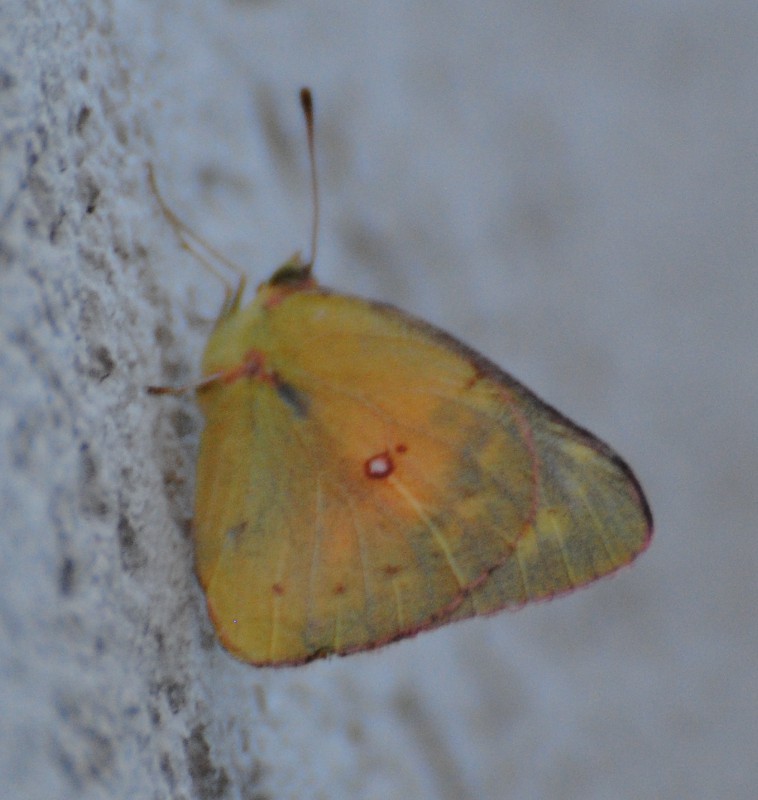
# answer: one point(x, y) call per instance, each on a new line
point(363, 476)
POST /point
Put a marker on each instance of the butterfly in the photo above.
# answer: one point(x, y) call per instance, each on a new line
point(364, 476)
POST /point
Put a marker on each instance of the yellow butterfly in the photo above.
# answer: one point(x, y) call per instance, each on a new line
point(364, 476)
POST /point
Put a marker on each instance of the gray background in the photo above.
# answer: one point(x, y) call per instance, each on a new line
point(570, 188)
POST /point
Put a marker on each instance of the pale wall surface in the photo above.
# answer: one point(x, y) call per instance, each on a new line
point(569, 187)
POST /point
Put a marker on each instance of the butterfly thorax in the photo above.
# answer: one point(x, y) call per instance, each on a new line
point(241, 330)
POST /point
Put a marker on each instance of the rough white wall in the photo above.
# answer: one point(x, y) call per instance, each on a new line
point(569, 187)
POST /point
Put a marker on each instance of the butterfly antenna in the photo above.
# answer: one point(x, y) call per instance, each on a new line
point(306, 102)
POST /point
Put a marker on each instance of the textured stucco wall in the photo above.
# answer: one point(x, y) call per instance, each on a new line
point(570, 189)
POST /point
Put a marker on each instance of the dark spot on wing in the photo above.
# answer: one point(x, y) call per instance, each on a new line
point(234, 533)
point(479, 374)
point(296, 400)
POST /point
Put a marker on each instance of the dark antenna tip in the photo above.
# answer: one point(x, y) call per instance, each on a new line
point(306, 101)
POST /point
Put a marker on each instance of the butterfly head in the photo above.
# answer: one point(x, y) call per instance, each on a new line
point(292, 276)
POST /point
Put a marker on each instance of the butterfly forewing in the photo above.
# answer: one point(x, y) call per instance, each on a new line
point(348, 504)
